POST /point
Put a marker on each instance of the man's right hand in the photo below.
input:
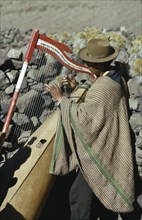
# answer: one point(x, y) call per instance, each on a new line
point(70, 81)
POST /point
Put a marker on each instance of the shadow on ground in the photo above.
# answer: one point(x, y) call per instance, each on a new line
point(57, 205)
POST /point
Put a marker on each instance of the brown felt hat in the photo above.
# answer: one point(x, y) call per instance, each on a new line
point(98, 51)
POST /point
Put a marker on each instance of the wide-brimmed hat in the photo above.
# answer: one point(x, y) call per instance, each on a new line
point(98, 51)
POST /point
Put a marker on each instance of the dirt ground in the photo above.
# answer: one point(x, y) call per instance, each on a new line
point(71, 16)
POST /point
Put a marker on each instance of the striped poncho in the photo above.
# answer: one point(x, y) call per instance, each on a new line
point(94, 136)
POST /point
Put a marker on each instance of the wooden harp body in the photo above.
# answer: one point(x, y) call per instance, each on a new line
point(25, 200)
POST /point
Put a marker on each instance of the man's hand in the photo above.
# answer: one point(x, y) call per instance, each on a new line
point(55, 91)
point(70, 81)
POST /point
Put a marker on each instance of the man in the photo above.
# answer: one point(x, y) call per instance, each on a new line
point(93, 137)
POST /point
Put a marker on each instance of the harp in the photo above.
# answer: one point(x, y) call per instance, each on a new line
point(46, 45)
point(32, 180)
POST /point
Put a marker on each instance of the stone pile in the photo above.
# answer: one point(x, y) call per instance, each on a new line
point(14, 38)
point(34, 103)
point(135, 105)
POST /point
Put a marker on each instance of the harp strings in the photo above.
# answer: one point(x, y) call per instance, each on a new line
point(38, 106)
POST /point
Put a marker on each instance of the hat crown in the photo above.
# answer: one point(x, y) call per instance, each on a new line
point(99, 48)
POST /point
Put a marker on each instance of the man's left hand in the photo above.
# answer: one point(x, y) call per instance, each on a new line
point(55, 91)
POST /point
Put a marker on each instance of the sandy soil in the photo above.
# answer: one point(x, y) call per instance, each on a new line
point(71, 16)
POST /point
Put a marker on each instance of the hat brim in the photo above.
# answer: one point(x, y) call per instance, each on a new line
point(83, 55)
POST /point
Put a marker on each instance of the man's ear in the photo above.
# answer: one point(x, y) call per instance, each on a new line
point(95, 71)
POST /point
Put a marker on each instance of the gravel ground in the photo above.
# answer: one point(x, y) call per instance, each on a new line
point(71, 16)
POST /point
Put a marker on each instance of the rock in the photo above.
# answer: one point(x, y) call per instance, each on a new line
point(38, 87)
point(24, 86)
point(17, 64)
point(140, 171)
point(139, 142)
point(139, 161)
point(20, 118)
point(10, 89)
point(3, 57)
point(25, 100)
point(134, 103)
point(44, 115)
point(7, 145)
point(4, 82)
point(136, 121)
point(5, 106)
point(139, 200)
point(14, 54)
point(24, 137)
point(140, 133)
point(12, 75)
point(34, 121)
point(139, 154)
point(135, 86)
